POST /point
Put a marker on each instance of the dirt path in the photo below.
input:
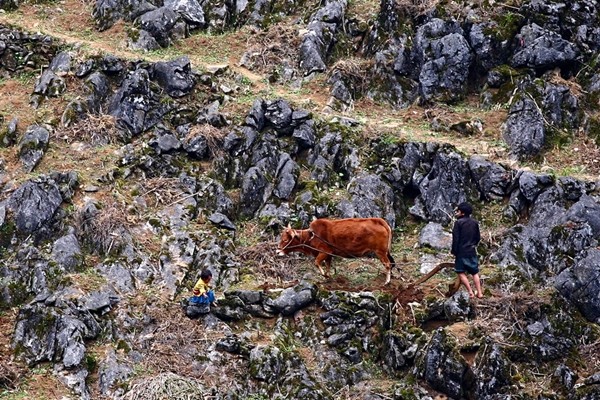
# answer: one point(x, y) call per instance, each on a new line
point(70, 21)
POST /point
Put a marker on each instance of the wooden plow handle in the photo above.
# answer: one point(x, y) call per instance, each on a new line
point(431, 273)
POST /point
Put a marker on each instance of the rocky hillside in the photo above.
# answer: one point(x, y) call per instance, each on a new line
point(144, 141)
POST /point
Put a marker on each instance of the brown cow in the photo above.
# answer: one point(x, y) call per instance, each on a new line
point(348, 238)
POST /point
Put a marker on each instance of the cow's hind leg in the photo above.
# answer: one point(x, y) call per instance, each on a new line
point(328, 265)
point(392, 265)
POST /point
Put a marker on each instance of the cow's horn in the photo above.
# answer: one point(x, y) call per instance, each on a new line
point(289, 226)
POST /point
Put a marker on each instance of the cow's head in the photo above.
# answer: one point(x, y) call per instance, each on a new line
point(289, 240)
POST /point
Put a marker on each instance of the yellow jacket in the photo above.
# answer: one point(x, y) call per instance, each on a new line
point(201, 287)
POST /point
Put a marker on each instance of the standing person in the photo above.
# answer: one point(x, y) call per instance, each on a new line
point(203, 294)
point(465, 237)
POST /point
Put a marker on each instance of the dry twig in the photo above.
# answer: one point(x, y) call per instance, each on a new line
point(160, 190)
point(262, 259)
point(9, 376)
point(97, 130)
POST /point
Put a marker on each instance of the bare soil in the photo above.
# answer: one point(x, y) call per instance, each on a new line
point(401, 292)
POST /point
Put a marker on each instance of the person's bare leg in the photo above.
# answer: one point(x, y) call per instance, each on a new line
point(465, 281)
point(477, 283)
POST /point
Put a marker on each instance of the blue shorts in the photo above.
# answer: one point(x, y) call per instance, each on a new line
point(209, 298)
point(467, 264)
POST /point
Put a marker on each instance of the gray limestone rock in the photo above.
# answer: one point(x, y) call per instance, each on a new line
point(580, 284)
point(67, 253)
point(293, 299)
point(434, 235)
point(33, 145)
point(524, 129)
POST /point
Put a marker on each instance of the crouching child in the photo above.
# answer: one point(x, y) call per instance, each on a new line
point(203, 295)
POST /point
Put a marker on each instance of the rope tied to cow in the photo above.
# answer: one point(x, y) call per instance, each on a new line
point(314, 234)
point(304, 243)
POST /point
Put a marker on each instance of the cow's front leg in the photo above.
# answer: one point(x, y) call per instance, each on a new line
point(388, 277)
point(388, 261)
point(318, 261)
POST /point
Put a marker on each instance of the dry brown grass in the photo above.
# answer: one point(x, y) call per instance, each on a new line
point(355, 71)
point(167, 385)
point(556, 78)
point(580, 158)
point(87, 281)
point(175, 342)
point(38, 384)
point(363, 9)
point(11, 373)
point(96, 130)
point(14, 102)
point(70, 21)
point(591, 354)
point(214, 137)
point(420, 7)
point(267, 50)
point(506, 315)
point(17, 382)
point(159, 191)
point(372, 388)
point(267, 266)
point(104, 231)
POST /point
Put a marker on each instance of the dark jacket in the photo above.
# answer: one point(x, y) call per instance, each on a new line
point(465, 236)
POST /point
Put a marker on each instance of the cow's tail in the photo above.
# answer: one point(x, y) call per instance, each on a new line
point(389, 253)
point(392, 261)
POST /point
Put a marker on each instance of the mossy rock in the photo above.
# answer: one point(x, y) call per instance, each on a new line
point(569, 323)
point(7, 138)
point(279, 9)
point(7, 232)
point(593, 129)
point(8, 5)
point(133, 34)
point(588, 392)
point(511, 77)
point(18, 292)
point(557, 138)
point(508, 25)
